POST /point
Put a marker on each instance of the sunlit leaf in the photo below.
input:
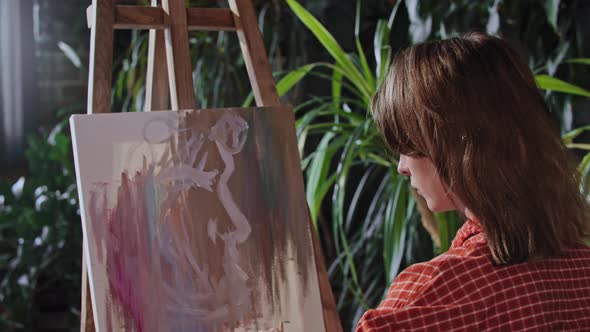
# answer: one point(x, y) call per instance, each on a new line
point(551, 83)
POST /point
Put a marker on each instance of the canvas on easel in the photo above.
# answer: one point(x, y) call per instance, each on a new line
point(198, 200)
point(193, 221)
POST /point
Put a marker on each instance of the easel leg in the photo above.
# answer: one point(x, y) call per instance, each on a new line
point(86, 317)
point(99, 101)
point(331, 317)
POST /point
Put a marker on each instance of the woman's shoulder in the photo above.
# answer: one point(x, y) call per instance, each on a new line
point(468, 273)
point(467, 269)
point(450, 267)
point(472, 252)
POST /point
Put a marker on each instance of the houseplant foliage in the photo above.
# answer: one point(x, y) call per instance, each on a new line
point(40, 235)
point(373, 218)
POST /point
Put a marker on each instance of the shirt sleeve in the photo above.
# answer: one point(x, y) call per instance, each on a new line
point(415, 318)
point(407, 287)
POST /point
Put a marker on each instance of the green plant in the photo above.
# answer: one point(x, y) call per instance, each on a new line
point(373, 216)
point(219, 78)
point(40, 234)
point(219, 72)
point(348, 162)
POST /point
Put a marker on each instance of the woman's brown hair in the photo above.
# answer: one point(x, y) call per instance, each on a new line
point(471, 105)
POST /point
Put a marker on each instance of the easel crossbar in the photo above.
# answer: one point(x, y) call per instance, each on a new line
point(144, 17)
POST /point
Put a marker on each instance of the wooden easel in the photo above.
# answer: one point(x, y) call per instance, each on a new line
point(169, 84)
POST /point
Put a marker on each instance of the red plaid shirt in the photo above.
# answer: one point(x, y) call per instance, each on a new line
point(461, 290)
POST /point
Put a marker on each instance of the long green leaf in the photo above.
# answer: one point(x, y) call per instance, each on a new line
point(581, 146)
point(552, 11)
point(569, 137)
point(317, 174)
point(331, 45)
point(358, 192)
point(363, 59)
point(336, 88)
point(292, 78)
point(554, 84)
point(341, 241)
point(382, 50)
point(448, 224)
point(288, 81)
point(381, 46)
point(582, 61)
point(584, 169)
point(394, 228)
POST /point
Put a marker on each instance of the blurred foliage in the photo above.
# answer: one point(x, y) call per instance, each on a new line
point(40, 234)
point(219, 73)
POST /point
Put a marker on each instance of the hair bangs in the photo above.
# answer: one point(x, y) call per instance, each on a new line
point(395, 110)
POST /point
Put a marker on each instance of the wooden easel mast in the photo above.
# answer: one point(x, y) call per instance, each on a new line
point(169, 83)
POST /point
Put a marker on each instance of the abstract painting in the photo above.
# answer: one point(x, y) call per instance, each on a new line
point(195, 221)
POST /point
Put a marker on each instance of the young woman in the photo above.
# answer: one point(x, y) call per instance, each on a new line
point(474, 135)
